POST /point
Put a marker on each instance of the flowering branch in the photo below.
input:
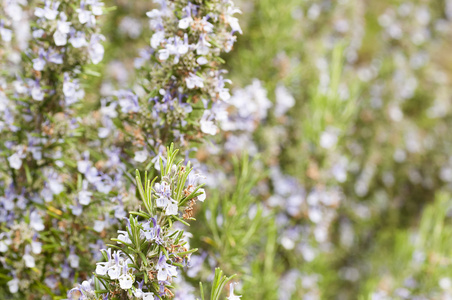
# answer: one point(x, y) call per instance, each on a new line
point(151, 249)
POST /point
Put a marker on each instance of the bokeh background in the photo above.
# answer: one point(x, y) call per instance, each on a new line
point(352, 144)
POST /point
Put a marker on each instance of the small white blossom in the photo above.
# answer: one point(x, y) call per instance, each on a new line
point(126, 281)
point(148, 296)
point(6, 34)
point(114, 272)
point(13, 285)
point(193, 81)
point(184, 23)
point(202, 196)
point(141, 156)
point(36, 221)
point(15, 161)
point(29, 261)
point(95, 48)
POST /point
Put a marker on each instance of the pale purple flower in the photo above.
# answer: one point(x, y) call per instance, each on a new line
point(78, 39)
point(5, 33)
point(141, 156)
point(164, 269)
point(36, 92)
point(233, 21)
point(63, 28)
point(95, 48)
point(36, 221)
point(85, 289)
point(28, 259)
point(84, 15)
point(127, 100)
point(84, 196)
point(13, 285)
point(203, 47)
point(74, 259)
point(193, 81)
point(157, 38)
point(152, 233)
point(50, 10)
point(207, 124)
point(15, 161)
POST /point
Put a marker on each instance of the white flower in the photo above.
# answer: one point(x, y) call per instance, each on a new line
point(101, 268)
point(114, 271)
point(6, 34)
point(74, 260)
point(162, 275)
point(124, 237)
point(203, 47)
point(63, 26)
point(233, 22)
point(165, 271)
point(95, 49)
point(328, 138)
point(84, 197)
point(29, 261)
point(157, 38)
point(3, 246)
point(99, 225)
point(69, 88)
point(141, 156)
point(126, 281)
point(171, 209)
point(15, 161)
point(51, 14)
point(39, 64)
point(148, 296)
point(208, 127)
point(202, 60)
point(36, 247)
point(185, 22)
point(48, 12)
point(96, 8)
point(37, 93)
point(202, 196)
point(36, 221)
point(164, 54)
point(194, 81)
point(56, 187)
point(83, 15)
point(38, 33)
point(162, 202)
point(78, 40)
point(138, 293)
point(60, 38)
point(103, 132)
point(13, 285)
point(207, 124)
point(83, 166)
point(35, 89)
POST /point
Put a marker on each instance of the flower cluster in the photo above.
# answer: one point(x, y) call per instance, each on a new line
point(151, 249)
point(182, 67)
